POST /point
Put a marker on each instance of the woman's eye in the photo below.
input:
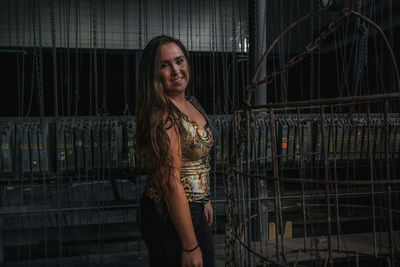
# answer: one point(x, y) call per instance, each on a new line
point(179, 61)
point(163, 65)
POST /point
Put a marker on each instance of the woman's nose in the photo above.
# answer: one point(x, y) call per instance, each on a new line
point(175, 69)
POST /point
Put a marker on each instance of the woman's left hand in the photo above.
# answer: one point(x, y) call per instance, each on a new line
point(209, 213)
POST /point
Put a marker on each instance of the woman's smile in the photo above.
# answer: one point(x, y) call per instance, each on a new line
point(174, 70)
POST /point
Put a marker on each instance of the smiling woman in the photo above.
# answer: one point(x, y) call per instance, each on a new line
point(175, 135)
point(174, 69)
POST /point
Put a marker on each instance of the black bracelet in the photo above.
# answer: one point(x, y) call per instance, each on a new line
point(192, 249)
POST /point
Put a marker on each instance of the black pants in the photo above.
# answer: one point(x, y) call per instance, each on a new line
point(162, 240)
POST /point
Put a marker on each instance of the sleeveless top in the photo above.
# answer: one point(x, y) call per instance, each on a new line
point(196, 144)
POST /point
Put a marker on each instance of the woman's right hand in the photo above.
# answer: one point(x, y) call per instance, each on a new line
point(192, 259)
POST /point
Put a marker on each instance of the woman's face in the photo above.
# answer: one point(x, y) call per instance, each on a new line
point(174, 69)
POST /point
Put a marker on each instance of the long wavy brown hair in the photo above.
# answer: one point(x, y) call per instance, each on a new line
point(155, 113)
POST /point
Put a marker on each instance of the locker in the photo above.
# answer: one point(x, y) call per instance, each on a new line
point(6, 132)
point(292, 139)
point(104, 144)
point(364, 139)
point(346, 142)
point(123, 155)
point(353, 136)
point(358, 138)
point(330, 135)
point(268, 134)
point(254, 144)
point(263, 139)
point(369, 136)
point(317, 141)
point(339, 138)
point(113, 143)
point(326, 148)
point(87, 145)
point(39, 147)
point(378, 144)
point(96, 144)
point(394, 136)
point(79, 148)
point(23, 163)
point(131, 131)
point(227, 140)
point(282, 138)
point(122, 145)
point(218, 142)
point(65, 147)
point(303, 141)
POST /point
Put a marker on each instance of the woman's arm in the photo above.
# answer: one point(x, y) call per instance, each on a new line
point(178, 206)
point(209, 212)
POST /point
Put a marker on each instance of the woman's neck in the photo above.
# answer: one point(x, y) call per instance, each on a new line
point(178, 99)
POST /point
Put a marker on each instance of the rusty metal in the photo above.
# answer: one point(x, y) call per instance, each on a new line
point(328, 195)
point(389, 189)
point(332, 27)
point(314, 181)
point(327, 189)
point(324, 102)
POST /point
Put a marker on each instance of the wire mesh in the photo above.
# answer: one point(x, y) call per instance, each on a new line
point(317, 182)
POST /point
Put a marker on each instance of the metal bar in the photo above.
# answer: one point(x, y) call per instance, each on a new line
point(256, 144)
point(357, 260)
point(239, 163)
point(296, 259)
point(52, 210)
point(327, 189)
point(276, 175)
point(1, 241)
point(13, 51)
point(301, 170)
point(371, 171)
point(327, 101)
point(248, 187)
point(274, 42)
point(334, 142)
point(59, 195)
point(389, 188)
point(332, 195)
point(315, 181)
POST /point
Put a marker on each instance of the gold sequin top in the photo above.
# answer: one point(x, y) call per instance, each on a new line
point(196, 144)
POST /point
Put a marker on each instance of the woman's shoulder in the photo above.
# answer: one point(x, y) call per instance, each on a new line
point(193, 100)
point(210, 120)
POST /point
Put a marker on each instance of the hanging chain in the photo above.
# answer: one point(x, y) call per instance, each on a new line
point(140, 24)
point(309, 48)
point(230, 207)
point(361, 55)
point(230, 224)
point(23, 65)
point(77, 23)
point(54, 52)
point(94, 40)
point(126, 97)
point(213, 51)
point(281, 52)
point(231, 100)
point(312, 65)
point(18, 56)
point(39, 60)
point(67, 22)
point(104, 98)
point(61, 63)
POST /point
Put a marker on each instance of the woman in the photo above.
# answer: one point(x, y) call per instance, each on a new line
point(175, 135)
